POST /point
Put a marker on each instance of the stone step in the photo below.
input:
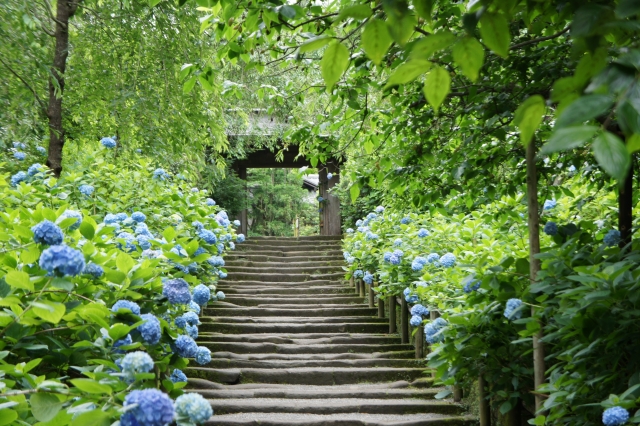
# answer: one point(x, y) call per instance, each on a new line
point(288, 248)
point(231, 288)
point(344, 363)
point(279, 252)
point(250, 263)
point(293, 300)
point(300, 339)
point(285, 348)
point(346, 419)
point(314, 238)
point(253, 257)
point(333, 406)
point(315, 392)
point(302, 320)
point(314, 270)
point(286, 284)
point(403, 354)
point(243, 328)
point(301, 376)
point(275, 277)
point(315, 311)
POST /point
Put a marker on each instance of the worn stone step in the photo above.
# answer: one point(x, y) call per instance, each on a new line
point(288, 284)
point(285, 348)
point(253, 257)
point(231, 288)
point(301, 376)
point(304, 320)
point(304, 338)
point(299, 247)
point(275, 277)
point(315, 392)
point(252, 311)
point(244, 328)
point(344, 363)
point(293, 300)
point(312, 269)
point(302, 238)
point(319, 262)
point(346, 419)
point(403, 354)
point(280, 252)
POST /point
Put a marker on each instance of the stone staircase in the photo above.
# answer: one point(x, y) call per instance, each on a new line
point(293, 344)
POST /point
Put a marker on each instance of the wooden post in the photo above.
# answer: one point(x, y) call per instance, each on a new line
point(357, 287)
point(392, 314)
point(330, 218)
point(243, 216)
point(380, 307)
point(352, 282)
point(404, 321)
point(485, 412)
point(362, 285)
point(457, 393)
point(371, 297)
point(419, 342)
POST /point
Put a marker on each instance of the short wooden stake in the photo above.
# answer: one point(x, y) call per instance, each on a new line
point(357, 286)
point(485, 412)
point(352, 282)
point(380, 307)
point(419, 342)
point(404, 321)
point(457, 393)
point(372, 297)
point(392, 314)
point(362, 285)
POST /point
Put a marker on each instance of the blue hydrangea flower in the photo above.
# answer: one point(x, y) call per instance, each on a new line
point(194, 190)
point(329, 176)
point(61, 260)
point(110, 219)
point(419, 310)
point(448, 260)
point(152, 254)
point(220, 295)
point(194, 407)
point(122, 216)
point(203, 355)
point(368, 278)
point(201, 294)
point(387, 256)
point(410, 298)
point(138, 151)
point(433, 331)
point(178, 376)
point(394, 259)
point(160, 174)
point(47, 232)
point(405, 220)
point(34, 169)
point(138, 217)
point(177, 249)
point(371, 236)
point(615, 416)
point(192, 331)
point(351, 259)
point(20, 156)
point(193, 306)
point(423, 233)
point(177, 291)
point(379, 209)
point(358, 273)
point(240, 238)
point(71, 214)
point(190, 318)
point(358, 222)
point(222, 275)
point(197, 224)
point(415, 321)
point(612, 238)
point(128, 241)
point(94, 270)
point(143, 229)
point(210, 202)
point(320, 199)
point(150, 330)
point(512, 310)
point(108, 142)
point(220, 248)
point(471, 285)
point(143, 242)
point(397, 242)
point(136, 362)
point(208, 236)
point(216, 261)
point(236, 223)
point(126, 304)
point(186, 346)
point(550, 228)
point(17, 178)
point(418, 263)
point(549, 204)
point(571, 168)
point(349, 230)
point(122, 342)
point(152, 408)
point(41, 150)
point(19, 145)
point(433, 258)
point(398, 253)
point(86, 190)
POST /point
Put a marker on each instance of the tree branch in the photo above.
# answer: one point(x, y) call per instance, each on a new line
point(538, 40)
point(35, 94)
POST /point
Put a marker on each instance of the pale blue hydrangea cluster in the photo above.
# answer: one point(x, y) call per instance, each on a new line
point(358, 273)
point(350, 259)
point(379, 209)
point(550, 228)
point(349, 230)
point(34, 169)
point(549, 204)
point(220, 295)
point(41, 150)
point(47, 232)
point(194, 190)
point(201, 294)
point(419, 310)
point(150, 330)
point(186, 346)
point(210, 202)
point(368, 278)
point(433, 331)
point(192, 331)
point(129, 241)
point(136, 362)
point(94, 270)
point(203, 355)
point(108, 142)
point(415, 321)
point(240, 238)
point(397, 242)
point(513, 309)
point(222, 274)
point(433, 258)
point(423, 233)
point(371, 236)
point(418, 263)
point(448, 260)
point(71, 214)
point(17, 178)
point(471, 285)
point(223, 219)
point(194, 407)
point(20, 156)
point(358, 222)
point(62, 260)
point(216, 261)
point(178, 376)
point(329, 176)
point(177, 249)
point(177, 291)
point(19, 145)
point(615, 416)
point(405, 220)
point(207, 236)
point(190, 318)
point(143, 242)
point(160, 174)
point(409, 297)
point(122, 342)
point(138, 217)
point(148, 407)
point(193, 306)
point(236, 223)
point(612, 238)
point(387, 256)
point(126, 304)
point(86, 190)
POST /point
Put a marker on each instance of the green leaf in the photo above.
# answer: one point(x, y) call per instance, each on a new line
point(334, 62)
point(87, 230)
point(354, 191)
point(118, 331)
point(49, 310)
point(427, 46)
point(494, 30)
point(91, 386)
point(375, 40)
point(568, 138)
point(124, 262)
point(359, 11)
point(19, 279)
point(30, 254)
point(59, 282)
point(152, 3)
point(633, 143)
point(424, 8)
point(288, 12)
point(612, 155)
point(528, 117)
point(169, 234)
point(408, 72)
point(188, 85)
point(583, 109)
point(401, 29)
point(468, 53)
point(44, 406)
point(627, 8)
point(436, 86)
point(92, 418)
point(7, 416)
point(314, 44)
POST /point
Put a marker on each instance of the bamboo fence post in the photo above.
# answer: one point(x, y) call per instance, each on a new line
point(362, 285)
point(357, 286)
point(371, 297)
point(404, 321)
point(392, 314)
point(380, 307)
point(419, 342)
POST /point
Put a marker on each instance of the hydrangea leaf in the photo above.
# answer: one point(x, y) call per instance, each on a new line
point(49, 311)
point(334, 63)
point(45, 406)
point(612, 155)
point(568, 138)
point(124, 262)
point(19, 279)
point(91, 386)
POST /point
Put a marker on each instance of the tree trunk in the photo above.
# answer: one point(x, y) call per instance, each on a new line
point(625, 208)
point(65, 9)
point(534, 264)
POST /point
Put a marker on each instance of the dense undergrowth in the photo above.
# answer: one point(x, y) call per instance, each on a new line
point(103, 274)
point(473, 269)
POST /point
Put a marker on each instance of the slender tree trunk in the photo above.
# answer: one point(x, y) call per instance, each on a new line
point(534, 264)
point(625, 208)
point(65, 9)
